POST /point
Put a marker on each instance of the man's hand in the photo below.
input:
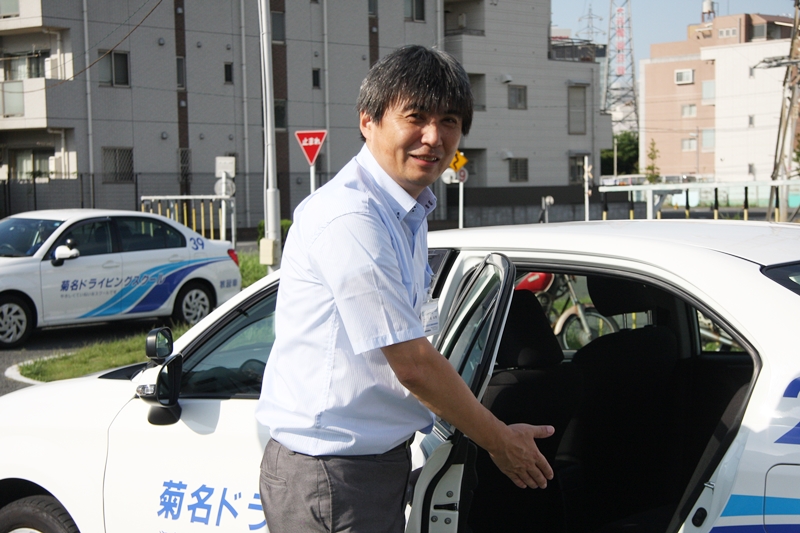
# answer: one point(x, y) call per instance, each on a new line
point(519, 458)
point(431, 378)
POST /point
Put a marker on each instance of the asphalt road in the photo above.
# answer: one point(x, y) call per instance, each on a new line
point(62, 340)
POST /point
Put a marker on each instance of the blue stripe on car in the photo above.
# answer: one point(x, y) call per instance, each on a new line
point(129, 296)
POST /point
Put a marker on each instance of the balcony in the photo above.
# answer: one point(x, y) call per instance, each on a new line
point(20, 14)
point(24, 104)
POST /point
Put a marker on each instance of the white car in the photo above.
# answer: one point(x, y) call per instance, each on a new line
point(72, 266)
point(678, 411)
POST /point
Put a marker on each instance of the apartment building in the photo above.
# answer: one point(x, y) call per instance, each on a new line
point(711, 109)
point(104, 102)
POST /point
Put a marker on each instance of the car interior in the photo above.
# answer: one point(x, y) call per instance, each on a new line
point(642, 412)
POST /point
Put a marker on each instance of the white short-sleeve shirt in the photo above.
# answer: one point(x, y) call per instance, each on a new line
point(354, 277)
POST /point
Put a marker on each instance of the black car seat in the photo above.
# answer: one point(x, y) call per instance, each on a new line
point(615, 457)
point(529, 385)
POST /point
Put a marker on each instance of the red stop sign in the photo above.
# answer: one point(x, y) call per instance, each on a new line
point(311, 142)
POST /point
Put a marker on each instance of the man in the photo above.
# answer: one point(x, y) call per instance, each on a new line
point(352, 376)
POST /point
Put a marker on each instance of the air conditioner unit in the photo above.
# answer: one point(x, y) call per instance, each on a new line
point(54, 165)
point(51, 67)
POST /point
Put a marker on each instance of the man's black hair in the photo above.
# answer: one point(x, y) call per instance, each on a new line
point(424, 78)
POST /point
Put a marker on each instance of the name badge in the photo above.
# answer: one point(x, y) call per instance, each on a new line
point(430, 317)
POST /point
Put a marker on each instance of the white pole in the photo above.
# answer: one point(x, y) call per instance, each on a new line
point(223, 219)
point(312, 172)
point(245, 117)
point(460, 205)
point(88, 102)
point(586, 187)
point(271, 193)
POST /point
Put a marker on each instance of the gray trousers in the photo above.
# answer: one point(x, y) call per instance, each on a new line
point(353, 494)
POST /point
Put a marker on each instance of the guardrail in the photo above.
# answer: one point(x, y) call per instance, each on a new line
point(655, 194)
point(185, 208)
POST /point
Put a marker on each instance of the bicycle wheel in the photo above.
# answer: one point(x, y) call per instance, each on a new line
point(573, 336)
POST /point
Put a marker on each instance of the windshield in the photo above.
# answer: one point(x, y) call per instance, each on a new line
point(21, 237)
point(787, 275)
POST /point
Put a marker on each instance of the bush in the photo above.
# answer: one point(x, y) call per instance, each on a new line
point(285, 225)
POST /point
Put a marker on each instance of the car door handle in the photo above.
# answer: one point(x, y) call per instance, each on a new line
point(446, 507)
point(111, 264)
point(175, 258)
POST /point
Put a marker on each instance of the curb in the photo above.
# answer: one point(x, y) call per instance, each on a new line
point(12, 372)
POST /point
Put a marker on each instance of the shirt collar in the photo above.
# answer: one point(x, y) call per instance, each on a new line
point(404, 201)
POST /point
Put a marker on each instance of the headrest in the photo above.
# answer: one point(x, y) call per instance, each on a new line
point(614, 296)
point(528, 340)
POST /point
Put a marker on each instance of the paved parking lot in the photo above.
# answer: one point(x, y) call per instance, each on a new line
point(55, 341)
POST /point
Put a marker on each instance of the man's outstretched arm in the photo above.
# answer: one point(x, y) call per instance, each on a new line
point(433, 380)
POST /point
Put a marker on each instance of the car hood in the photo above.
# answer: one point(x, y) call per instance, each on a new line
point(67, 405)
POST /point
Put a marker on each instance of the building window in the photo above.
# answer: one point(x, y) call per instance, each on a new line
point(117, 165)
point(372, 8)
point(13, 99)
point(9, 8)
point(707, 137)
point(228, 72)
point(709, 92)
point(751, 121)
point(181, 66)
point(278, 26)
point(517, 97)
point(576, 169)
point(727, 32)
point(316, 82)
point(280, 114)
point(759, 31)
point(751, 169)
point(27, 165)
point(576, 109)
point(518, 169)
point(689, 144)
point(415, 10)
point(688, 110)
point(113, 69)
point(684, 76)
point(752, 72)
point(25, 66)
point(477, 83)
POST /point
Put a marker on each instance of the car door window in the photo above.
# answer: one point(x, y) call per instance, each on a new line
point(89, 238)
point(140, 233)
point(231, 362)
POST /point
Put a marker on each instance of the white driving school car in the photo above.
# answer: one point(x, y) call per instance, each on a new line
point(674, 399)
point(72, 266)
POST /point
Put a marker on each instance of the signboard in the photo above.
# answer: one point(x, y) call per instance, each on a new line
point(462, 175)
point(458, 161)
point(225, 164)
point(311, 143)
point(449, 176)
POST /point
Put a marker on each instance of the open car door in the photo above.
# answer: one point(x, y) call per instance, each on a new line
point(469, 339)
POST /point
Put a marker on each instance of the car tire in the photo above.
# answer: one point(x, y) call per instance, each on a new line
point(192, 304)
point(16, 321)
point(36, 514)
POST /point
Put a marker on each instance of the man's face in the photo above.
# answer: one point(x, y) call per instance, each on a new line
point(414, 147)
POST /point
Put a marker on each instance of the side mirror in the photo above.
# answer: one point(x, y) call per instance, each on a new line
point(164, 394)
point(158, 344)
point(64, 252)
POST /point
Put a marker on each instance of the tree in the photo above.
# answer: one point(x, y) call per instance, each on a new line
point(652, 172)
point(627, 155)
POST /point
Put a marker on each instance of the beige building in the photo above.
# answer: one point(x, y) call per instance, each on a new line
point(711, 112)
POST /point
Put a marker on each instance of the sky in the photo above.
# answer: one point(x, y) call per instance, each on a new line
point(656, 21)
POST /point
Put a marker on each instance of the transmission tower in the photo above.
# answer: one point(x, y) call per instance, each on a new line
point(590, 30)
point(619, 95)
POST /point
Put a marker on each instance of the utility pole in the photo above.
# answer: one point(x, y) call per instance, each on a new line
point(619, 95)
point(785, 142)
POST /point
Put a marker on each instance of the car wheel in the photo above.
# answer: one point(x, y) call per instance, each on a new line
point(16, 321)
point(36, 514)
point(192, 304)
